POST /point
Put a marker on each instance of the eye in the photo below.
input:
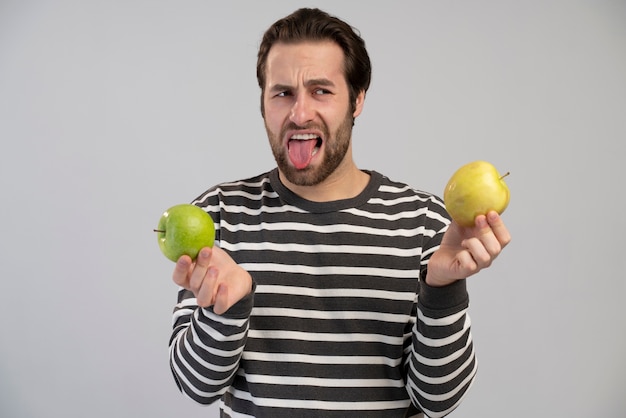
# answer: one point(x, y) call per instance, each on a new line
point(321, 91)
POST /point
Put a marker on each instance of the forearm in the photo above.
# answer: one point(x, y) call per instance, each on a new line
point(443, 364)
point(205, 348)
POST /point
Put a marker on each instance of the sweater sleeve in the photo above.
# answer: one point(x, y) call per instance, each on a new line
point(205, 348)
point(442, 363)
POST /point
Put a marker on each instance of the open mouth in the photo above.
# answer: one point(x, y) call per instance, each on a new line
point(302, 148)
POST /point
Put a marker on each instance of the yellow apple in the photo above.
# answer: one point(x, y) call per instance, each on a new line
point(475, 189)
point(184, 229)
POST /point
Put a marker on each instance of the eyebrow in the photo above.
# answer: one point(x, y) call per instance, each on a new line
point(319, 82)
point(322, 82)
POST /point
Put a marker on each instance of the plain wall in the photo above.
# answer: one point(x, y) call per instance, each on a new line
point(112, 111)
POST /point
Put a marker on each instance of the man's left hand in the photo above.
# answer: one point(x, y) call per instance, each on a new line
point(465, 251)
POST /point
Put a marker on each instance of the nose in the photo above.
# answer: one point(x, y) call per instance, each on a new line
point(302, 110)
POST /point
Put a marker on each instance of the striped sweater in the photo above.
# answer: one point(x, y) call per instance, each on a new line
point(338, 323)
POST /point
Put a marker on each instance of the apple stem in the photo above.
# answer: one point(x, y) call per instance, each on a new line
point(158, 230)
point(505, 174)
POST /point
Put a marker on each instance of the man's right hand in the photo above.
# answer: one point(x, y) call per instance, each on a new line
point(215, 279)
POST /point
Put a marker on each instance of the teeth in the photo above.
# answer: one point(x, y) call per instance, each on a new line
point(303, 137)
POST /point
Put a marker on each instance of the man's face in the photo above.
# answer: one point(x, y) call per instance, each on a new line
point(307, 110)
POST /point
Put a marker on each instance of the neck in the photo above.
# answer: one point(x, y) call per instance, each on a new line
point(344, 183)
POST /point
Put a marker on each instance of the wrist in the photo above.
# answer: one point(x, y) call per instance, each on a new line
point(444, 297)
point(433, 280)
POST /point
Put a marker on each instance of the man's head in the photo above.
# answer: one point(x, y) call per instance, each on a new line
point(313, 70)
point(315, 25)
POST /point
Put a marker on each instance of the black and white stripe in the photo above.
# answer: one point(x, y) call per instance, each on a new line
point(338, 324)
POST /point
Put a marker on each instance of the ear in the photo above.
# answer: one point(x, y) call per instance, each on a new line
point(358, 106)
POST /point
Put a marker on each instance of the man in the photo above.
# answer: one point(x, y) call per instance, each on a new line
point(332, 291)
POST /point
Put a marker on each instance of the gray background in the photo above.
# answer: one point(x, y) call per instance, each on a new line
point(112, 111)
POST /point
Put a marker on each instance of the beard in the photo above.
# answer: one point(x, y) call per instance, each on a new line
point(335, 149)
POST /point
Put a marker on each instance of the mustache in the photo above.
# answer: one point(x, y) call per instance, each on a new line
point(294, 126)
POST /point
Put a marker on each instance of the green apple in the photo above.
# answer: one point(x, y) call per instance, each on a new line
point(475, 189)
point(184, 229)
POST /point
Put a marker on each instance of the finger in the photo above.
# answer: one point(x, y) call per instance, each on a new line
point(199, 271)
point(479, 252)
point(218, 256)
point(487, 236)
point(499, 229)
point(205, 296)
point(466, 264)
point(221, 299)
point(182, 270)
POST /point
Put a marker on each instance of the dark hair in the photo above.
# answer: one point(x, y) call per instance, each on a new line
point(316, 25)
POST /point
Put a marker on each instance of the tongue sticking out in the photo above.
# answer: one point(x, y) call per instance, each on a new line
point(301, 152)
